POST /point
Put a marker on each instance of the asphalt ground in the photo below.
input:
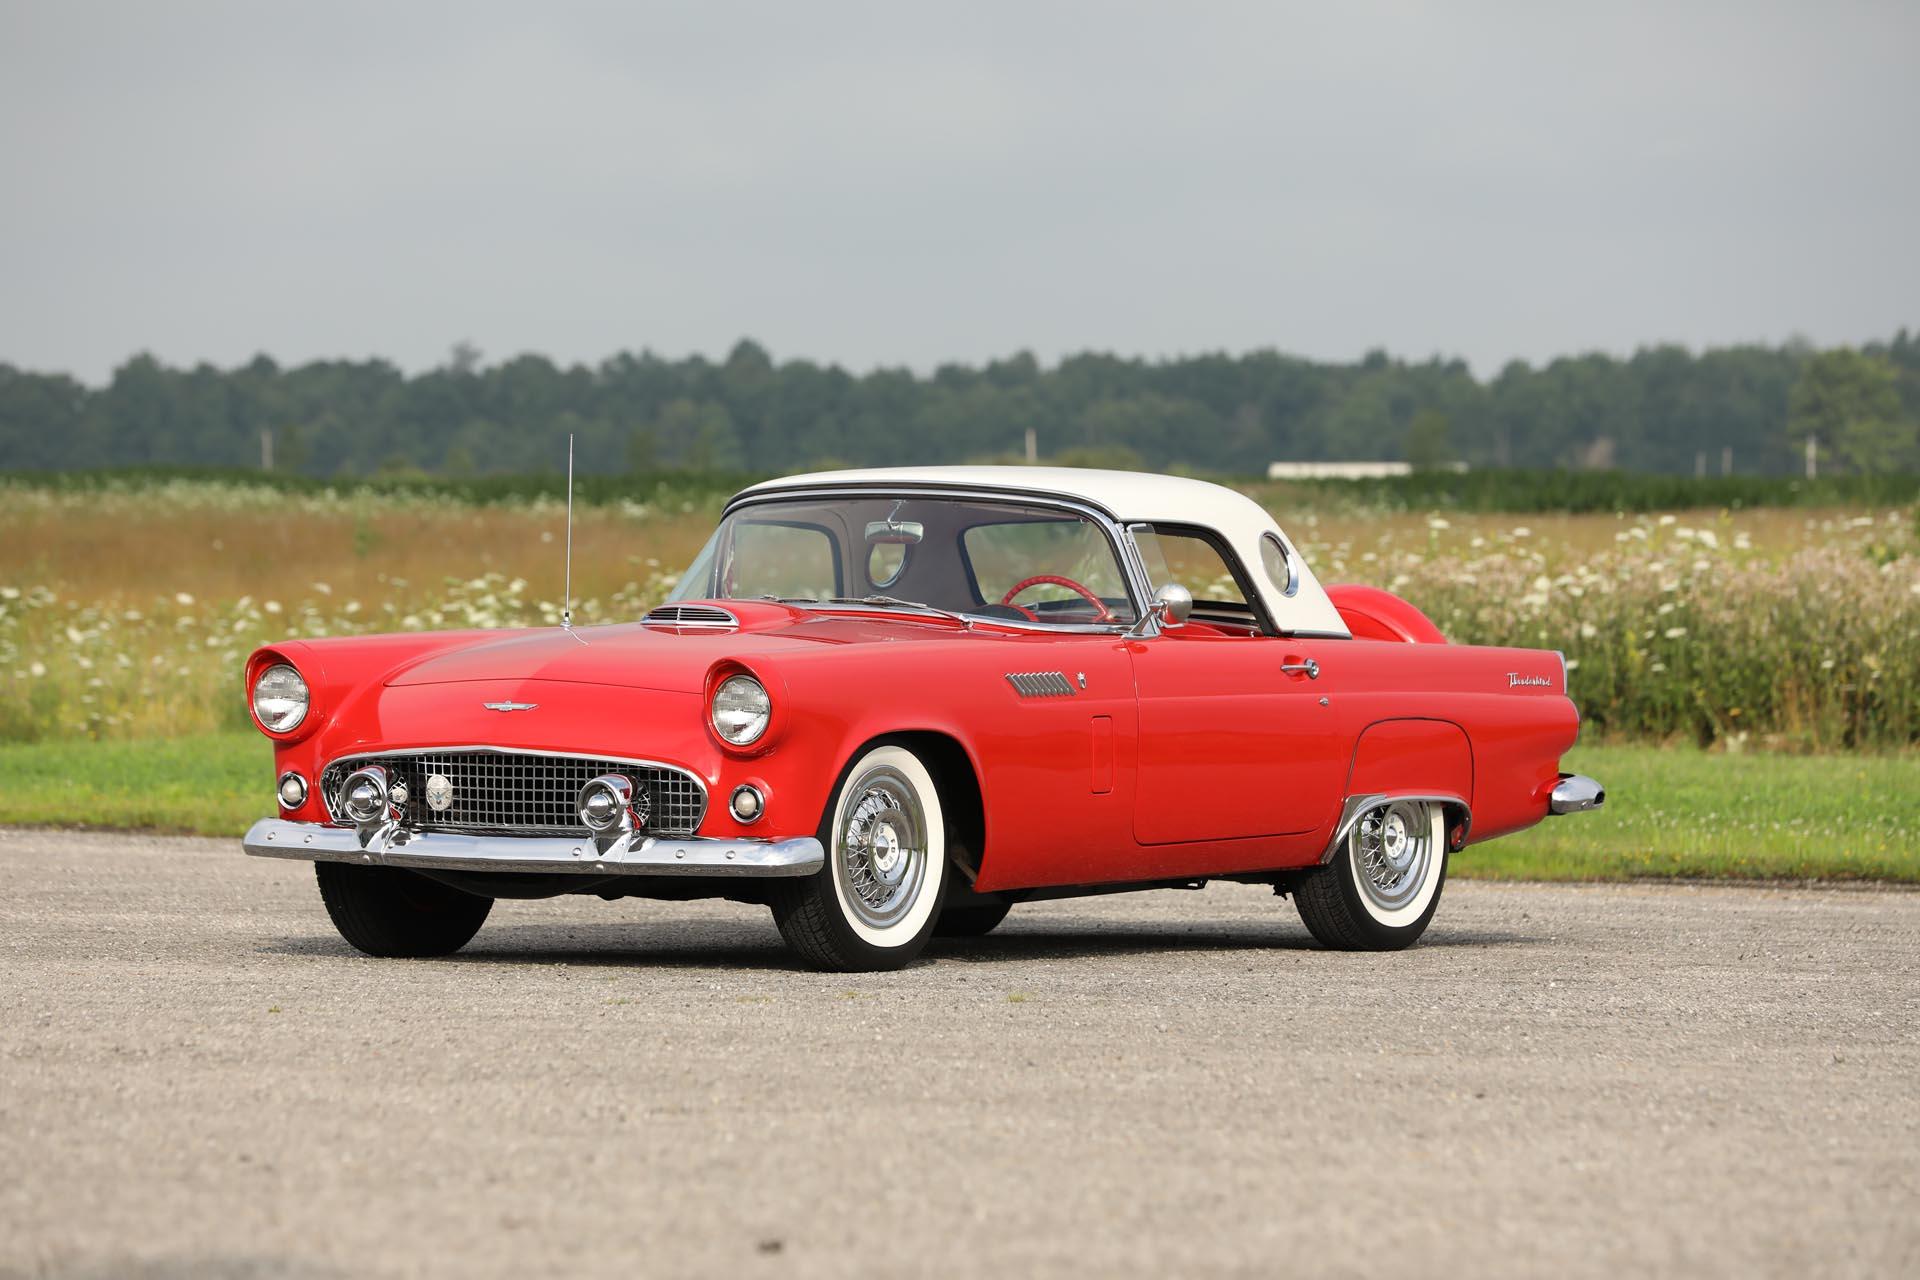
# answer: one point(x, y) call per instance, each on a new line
point(198, 1079)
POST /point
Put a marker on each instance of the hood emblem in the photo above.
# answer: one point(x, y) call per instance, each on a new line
point(510, 706)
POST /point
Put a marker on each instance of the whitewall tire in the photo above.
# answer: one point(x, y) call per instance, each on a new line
point(1381, 889)
point(876, 903)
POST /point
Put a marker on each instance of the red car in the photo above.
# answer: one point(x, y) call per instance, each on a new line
point(894, 704)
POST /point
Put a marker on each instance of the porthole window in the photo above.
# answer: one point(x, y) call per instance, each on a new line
point(1282, 569)
point(884, 563)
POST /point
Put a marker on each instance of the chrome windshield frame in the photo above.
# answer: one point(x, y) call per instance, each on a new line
point(1126, 556)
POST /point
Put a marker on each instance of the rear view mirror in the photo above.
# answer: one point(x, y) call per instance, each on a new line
point(904, 532)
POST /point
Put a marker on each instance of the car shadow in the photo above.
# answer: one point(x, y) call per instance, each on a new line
point(717, 945)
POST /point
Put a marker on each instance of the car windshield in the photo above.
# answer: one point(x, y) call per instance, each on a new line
point(1007, 560)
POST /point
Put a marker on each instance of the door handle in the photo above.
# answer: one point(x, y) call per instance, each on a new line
point(1309, 668)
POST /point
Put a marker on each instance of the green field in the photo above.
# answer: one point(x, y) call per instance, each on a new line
point(1670, 812)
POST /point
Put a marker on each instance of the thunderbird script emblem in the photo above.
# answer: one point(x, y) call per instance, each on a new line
point(510, 706)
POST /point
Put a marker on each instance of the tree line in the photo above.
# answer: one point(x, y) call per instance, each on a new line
point(1662, 409)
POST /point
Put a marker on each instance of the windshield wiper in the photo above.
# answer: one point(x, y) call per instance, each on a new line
point(895, 602)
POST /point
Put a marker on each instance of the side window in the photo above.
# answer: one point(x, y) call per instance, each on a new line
point(777, 559)
point(1192, 561)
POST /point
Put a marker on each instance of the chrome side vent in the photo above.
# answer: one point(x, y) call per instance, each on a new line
point(1040, 684)
point(690, 617)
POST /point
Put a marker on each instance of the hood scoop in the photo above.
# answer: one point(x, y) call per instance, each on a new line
point(690, 619)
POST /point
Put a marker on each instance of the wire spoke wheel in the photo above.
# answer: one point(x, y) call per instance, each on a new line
point(882, 847)
point(1382, 883)
point(1393, 849)
point(875, 903)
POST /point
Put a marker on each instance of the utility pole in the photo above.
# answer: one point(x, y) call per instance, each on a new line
point(1813, 457)
point(1726, 459)
point(1699, 464)
point(1033, 446)
point(266, 448)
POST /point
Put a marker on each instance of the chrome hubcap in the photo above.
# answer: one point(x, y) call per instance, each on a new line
point(1393, 852)
point(882, 847)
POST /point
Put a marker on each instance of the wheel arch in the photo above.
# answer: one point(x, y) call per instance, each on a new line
point(1459, 817)
point(957, 775)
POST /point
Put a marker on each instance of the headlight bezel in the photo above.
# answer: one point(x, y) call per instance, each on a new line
point(280, 727)
point(744, 686)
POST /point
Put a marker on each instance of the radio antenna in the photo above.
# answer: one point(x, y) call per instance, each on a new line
point(566, 603)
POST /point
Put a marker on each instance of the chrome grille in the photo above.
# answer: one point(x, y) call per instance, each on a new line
point(510, 793)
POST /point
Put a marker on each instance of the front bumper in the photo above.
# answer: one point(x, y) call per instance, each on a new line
point(1576, 793)
point(395, 846)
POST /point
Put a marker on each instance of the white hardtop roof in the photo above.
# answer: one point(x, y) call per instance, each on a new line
point(1130, 497)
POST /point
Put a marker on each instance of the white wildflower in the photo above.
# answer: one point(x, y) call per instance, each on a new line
point(36, 670)
point(182, 599)
point(1674, 633)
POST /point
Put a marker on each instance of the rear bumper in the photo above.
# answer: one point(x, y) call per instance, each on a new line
point(1576, 793)
point(394, 846)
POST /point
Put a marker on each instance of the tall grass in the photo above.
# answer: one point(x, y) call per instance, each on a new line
point(127, 609)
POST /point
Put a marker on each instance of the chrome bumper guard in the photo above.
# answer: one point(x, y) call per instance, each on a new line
point(1576, 793)
point(395, 846)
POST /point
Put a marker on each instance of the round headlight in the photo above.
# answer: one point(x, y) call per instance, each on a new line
point(280, 698)
point(740, 710)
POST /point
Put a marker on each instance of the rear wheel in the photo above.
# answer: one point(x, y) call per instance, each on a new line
point(1384, 884)
point(385, 911)
point(875, 904)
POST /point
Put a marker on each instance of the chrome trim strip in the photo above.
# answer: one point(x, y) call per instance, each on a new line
point(1357, 805)
point(395, 846)
point(706, 800)
point(1576, 793)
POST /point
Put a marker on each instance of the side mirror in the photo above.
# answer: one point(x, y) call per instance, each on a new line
point(1173, 603)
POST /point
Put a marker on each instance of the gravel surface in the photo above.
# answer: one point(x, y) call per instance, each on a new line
point(198, 1079)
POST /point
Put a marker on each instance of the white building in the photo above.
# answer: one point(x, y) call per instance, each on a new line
point(1347, 470)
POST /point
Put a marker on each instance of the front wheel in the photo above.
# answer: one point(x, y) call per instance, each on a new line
point(385, 911)
point(1384, 884)
point(875, 904)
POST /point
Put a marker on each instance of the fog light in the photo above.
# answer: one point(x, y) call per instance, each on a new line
point(293, 790)
point(606, 804)
point(363, 797)
point(747, 804)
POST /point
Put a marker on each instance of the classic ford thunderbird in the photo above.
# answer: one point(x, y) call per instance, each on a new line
point(895, 704)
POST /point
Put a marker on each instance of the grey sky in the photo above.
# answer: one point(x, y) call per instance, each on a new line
point(906, 184)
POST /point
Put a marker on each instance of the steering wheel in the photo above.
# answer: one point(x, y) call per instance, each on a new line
point(1100, 611)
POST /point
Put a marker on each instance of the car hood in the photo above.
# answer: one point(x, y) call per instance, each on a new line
point(646, 656)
